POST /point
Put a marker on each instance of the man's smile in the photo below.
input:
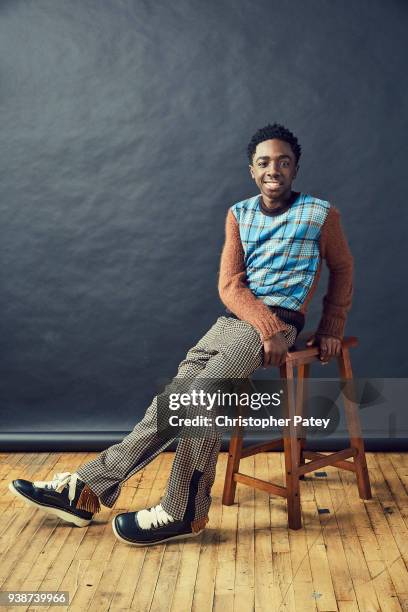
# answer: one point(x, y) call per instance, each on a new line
point(278, 183)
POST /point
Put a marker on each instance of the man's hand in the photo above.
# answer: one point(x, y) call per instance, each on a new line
point(329, 347)
point(275, 350)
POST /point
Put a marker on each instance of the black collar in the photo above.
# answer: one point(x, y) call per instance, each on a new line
point(274, 213)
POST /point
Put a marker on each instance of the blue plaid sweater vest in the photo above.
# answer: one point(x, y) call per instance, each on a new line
point(282, 254)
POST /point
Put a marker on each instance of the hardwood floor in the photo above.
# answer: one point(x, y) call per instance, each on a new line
point(353, 556)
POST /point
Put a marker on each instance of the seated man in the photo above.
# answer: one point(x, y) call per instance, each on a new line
point(270, 266)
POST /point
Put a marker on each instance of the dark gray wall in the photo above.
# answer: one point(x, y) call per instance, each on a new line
point(124, 129)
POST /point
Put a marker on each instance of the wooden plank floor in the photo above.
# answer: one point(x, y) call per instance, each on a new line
point(352, 557)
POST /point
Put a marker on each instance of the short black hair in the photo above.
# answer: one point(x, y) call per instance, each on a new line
point(270, 131)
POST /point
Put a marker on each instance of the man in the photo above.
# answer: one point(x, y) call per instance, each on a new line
point(270, 267)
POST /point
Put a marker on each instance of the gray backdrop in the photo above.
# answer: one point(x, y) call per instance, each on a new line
point(124, 133)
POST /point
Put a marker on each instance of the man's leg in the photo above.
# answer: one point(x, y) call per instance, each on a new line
point(239, 353)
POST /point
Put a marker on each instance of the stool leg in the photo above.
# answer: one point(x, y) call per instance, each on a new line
point(292, 452)
point(353, 425)
point(301, 398)
point(234, 457)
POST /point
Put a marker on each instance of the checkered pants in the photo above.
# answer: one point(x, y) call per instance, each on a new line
point(230, 349)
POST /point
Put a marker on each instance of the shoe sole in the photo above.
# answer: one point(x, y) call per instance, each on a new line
point(66, 516)
point(177, 537)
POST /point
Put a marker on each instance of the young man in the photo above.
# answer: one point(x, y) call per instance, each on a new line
point(270, 266)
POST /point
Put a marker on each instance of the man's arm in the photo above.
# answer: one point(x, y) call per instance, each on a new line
point(337, 301)
point(235, 293)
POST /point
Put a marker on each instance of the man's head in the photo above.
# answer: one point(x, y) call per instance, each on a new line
point(274, 154)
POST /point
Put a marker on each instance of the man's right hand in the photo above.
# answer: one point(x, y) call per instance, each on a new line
point(274, 350)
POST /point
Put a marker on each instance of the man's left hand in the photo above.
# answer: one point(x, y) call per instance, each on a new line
point(329, 347)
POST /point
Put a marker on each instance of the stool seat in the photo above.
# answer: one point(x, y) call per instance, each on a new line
point(300, 357)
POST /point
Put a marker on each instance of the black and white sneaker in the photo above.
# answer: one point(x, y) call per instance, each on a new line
point(66, 496)
point(154, 526)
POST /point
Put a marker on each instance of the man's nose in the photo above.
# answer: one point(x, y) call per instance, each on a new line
point(273, 169)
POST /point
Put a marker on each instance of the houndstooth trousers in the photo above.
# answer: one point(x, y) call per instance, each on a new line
point(230, 349)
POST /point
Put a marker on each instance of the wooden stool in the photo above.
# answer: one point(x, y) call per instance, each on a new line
point(301, 357)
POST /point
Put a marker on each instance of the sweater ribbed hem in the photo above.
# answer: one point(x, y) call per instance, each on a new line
point(331, 327)
point(286, 315)
point(292, 317)
point(276, 322)
point(270, 327)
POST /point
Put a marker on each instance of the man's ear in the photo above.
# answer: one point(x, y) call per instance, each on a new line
point(251, 171)
point(296, 171)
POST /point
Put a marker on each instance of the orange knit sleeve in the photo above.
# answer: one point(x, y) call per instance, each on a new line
point(337, 301)
point(233, 289)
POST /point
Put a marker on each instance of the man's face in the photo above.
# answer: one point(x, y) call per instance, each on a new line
point(274, 168)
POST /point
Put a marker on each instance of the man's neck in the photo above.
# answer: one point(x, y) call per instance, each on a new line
point(273, 205)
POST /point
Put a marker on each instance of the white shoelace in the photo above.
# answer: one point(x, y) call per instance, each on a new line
point(59, 482)
point(153, 518)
